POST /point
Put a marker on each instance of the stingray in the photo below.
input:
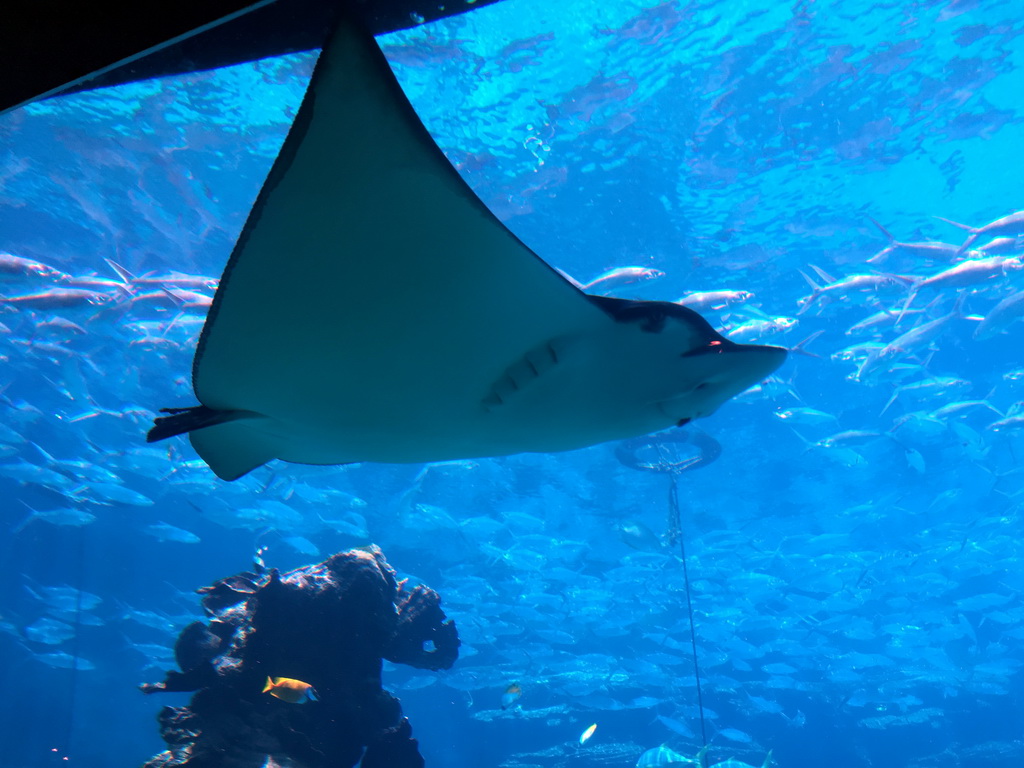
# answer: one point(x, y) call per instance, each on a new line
point(375, 310)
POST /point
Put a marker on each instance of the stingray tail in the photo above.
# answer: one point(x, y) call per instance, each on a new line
point(182, 420)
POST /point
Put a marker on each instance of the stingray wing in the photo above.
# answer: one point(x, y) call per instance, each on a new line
point(370, 286)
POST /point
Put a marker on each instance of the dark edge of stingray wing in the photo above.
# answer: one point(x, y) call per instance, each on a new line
point(293, 141)
point(651, 315)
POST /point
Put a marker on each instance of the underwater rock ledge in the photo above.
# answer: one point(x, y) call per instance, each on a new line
point(326, 627)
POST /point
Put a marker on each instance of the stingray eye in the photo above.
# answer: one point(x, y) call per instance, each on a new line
point(712, 347)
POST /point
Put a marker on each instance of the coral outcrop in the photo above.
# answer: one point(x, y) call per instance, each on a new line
point(329, 625)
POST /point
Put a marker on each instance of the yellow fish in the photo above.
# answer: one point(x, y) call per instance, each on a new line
point(287, 689)
point(585, 736)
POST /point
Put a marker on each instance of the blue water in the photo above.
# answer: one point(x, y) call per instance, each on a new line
point(857, 601)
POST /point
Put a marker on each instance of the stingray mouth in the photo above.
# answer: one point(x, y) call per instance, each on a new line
point(734, 367)
point(746, 364)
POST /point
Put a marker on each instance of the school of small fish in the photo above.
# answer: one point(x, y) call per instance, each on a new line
point(928, 416)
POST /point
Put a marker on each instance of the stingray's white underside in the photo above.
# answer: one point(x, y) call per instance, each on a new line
point(375, 310)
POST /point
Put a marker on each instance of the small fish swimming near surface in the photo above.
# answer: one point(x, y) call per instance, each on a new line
point(844, 289)
point(613, 279)
point(1011, 225)
point(585, 736)
point(734, 734)
point(928, 249)
point(110, 494)
point(93, 281)
point(511, 695)
point(732, 762)
point(49, 631)
point(701, 301)
point(915, 460)
point(66, 516)
point(806, 416)
point(59, 326)
point(259, 565)
point(857, 353)
point(189, 299)
point(146, 618)
point(62, 599)
point(302, 545)
point(884, 318)
point(638, 536)
point(62, 660)
point(166, 532)
point(760, 329)
point(1009, 424)
point(155, 655)
point(173, 279)
point(18, 268)
point(290, 690)
point(959, 407)
point(1002, 245)
point(59, 298)
point(1001, 317)
point(911, 342)
point(967, 273)
point(849, 438)
point(663, 757)
point(349, 524)
point(929, 388)
point(676, 726)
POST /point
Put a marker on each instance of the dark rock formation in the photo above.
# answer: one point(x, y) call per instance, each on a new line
point(329, 625)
